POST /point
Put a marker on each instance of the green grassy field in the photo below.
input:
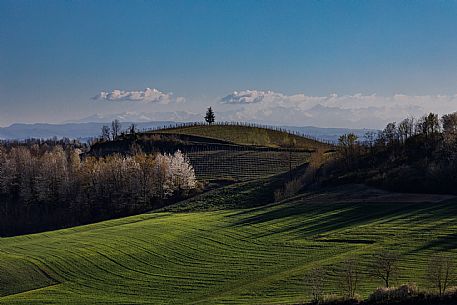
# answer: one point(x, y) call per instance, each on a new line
point(247, 135)
point(240, 256)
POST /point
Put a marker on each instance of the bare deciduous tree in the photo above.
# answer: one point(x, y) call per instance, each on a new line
point(385, 266)
point(440, 271)
point(406, 129)
point(115, 128)
point(105, 133)
point(132, 129)
point(450, 127)
point(369, 138)
point(347, 144)
point(390, 134)
point(428, 124)
point(350, 277)
point(315, 280)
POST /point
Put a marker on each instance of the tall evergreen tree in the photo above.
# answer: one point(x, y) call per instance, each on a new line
point(209, 117)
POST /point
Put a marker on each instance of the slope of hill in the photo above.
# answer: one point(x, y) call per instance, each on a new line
point(246, 194)
point(248, 135)
point(251, 256)
point(223, 152)
point(244, 165)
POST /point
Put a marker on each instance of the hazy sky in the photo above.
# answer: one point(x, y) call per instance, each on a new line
point(325, 63)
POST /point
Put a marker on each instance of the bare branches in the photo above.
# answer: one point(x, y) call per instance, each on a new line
point(440, 272)
point(115, 129)
point(315, 280)
point(105, 136)
point(385, 266)
point(350, 276)
point(347, 144)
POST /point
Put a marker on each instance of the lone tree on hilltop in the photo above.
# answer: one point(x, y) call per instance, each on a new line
point(209, 117)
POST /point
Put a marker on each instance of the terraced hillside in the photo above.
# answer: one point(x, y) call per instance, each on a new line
point(244, 165)
point(248, 164)
point(246, 256)
point(218, 152)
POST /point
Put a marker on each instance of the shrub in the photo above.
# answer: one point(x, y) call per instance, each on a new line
point(403, 292)
point(451, 290)
point(290, 188)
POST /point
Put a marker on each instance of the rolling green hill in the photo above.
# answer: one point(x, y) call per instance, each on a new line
point(250, 164)
point(258, 255)
point(248, 135)
point(223, 152)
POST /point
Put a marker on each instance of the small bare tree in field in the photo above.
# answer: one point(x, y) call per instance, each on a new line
point(350, 277)
point(440, 272)
point(315, 281)
point(385, 266)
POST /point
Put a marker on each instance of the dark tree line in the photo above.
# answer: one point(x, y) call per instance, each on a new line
point(418, 155)
point(112, 133)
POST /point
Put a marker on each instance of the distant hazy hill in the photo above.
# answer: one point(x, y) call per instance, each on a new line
point(69, 130)
point(328, 134)
point(88, 130)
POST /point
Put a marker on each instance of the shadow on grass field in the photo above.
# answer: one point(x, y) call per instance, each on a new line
point(257, 255)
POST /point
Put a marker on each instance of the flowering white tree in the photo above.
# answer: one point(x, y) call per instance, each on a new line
point(182, 173)
point(162, 173)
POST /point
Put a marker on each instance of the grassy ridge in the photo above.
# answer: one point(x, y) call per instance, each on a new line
point(250, 256)
point(223, 152)
point(247, 135)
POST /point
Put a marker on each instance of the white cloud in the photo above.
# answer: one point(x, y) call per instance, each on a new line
point(270, 107)
point(333, 110)
point(147, 95)
point(251, 97)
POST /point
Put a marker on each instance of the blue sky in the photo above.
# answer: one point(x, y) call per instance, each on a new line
point(322, 61)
